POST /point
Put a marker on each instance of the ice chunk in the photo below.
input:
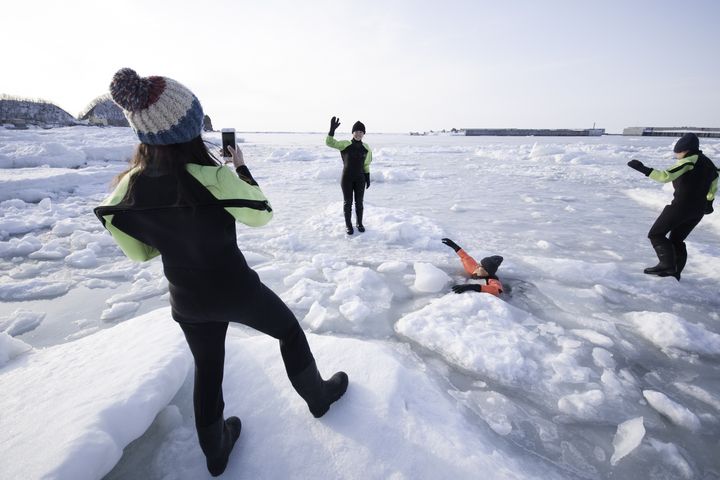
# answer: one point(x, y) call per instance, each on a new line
point(32, 290)
point(429, 278)
point(594, 337)
point(11, 347)
point(667, 330)
point(480, 333)
point(699, 393)
point(85, 258)
point(627, 438)
point(582, 405)
point(19, 247)
point(670, 455)
point(677, 413)
point(118, 310)
point(316, 316)
point(21, 321)
point(603, 358)
point(392, 267)
point(355, 310)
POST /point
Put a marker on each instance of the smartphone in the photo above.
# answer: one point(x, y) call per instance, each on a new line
point(228, 140)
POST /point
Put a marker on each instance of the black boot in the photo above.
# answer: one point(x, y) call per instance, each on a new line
point(347, 211)
point(666, 265)
point(680, 259)
point(217, 441)
point(319, 393)
point(359, 215)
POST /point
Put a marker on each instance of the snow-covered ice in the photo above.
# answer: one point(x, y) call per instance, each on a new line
point(547, 381)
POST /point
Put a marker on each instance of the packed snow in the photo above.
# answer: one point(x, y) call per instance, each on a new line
point(583, 368)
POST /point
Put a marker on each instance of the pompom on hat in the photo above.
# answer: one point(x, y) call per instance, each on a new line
point(160, 110)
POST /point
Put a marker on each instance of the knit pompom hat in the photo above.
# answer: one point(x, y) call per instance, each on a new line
point(160, 110)
point(491, 264)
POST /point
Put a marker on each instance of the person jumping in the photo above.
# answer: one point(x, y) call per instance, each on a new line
point(694, 179)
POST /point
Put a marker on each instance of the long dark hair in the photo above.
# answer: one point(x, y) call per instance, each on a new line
point(166, 160)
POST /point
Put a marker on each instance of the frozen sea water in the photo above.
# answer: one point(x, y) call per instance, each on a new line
point(580, 343)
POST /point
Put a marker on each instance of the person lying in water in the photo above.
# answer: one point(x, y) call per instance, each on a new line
point(485, 270)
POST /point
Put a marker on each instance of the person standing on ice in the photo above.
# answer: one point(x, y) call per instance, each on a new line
point(175, 201)
point(485, 270)
point(694, 179)
point(356, 157)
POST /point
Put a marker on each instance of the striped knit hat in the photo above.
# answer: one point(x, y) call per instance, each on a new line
point(160, 110)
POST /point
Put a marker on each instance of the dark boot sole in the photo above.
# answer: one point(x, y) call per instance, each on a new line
point(662, 273)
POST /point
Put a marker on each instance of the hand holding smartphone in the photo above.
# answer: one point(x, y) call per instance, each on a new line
point(228, 140)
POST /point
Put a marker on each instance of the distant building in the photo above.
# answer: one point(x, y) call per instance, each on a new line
point(534, 132)
point(671, 131)
point(104, 112)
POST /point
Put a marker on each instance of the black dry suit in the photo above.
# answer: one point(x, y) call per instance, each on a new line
point(356, 157)
point(694, 179)
point(189, 219)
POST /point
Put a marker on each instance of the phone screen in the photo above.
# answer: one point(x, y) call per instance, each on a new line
point(228, 140)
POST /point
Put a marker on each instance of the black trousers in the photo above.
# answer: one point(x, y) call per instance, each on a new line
point(353, 185)
point(207, 344)
point(676, 221)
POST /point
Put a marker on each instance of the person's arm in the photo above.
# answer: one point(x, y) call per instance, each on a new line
point(224, 184)
point(468, 262)
point(244, 174)
point(713, 189)
point(683, 165)
point(710, 197)
point(368, 158)
point(133, 248)
point(238, 161)
point(330, 139)
point(493, 287)
point(338, 144)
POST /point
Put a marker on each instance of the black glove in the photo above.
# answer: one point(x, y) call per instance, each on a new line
point(638, 165)
point(466, 288)
point(334, 123)
point(367, 180)
point(451, 244)
point(709, 207)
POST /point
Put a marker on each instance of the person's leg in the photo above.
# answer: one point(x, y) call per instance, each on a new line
point(216, 435)
point(347, 190)
point(359, 190)
point(207, 344)
point(677, 237)
point(662, 226)
point(269, 314)
point(664, 250)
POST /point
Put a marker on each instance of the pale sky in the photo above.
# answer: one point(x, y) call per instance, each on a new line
point(399, 66)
